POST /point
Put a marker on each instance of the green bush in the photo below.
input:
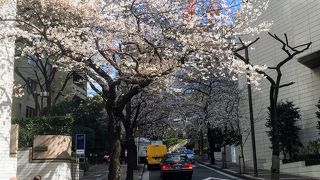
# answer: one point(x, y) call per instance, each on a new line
point(288, 116)
point(310, 154)
point(45, 125)
point(313, 147)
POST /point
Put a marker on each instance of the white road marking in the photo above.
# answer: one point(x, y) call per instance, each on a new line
point(292, 178)
point(222, 173)
point(145, 175)
point(212, 178)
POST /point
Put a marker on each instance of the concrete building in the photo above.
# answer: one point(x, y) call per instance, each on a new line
point(25, 106)
point(300, 20)
point(8, 159)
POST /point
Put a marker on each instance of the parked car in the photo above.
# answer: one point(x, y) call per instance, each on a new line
point(190, 155)
point(182, 150)
point(175, 165)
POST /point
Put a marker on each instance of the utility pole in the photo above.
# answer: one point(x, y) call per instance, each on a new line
point(247, 61)
point(253, 138)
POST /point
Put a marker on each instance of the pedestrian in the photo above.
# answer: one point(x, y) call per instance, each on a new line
point(106, 158)
point(38, 177)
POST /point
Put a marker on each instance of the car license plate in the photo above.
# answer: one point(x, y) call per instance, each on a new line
point(177, 168)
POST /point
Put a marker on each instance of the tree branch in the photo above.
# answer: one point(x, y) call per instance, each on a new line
point(287, 84)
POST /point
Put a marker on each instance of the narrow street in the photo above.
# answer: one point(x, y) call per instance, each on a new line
point(200, 172)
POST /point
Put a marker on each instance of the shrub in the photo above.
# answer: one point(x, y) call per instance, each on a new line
point(310, 154)
point(45, 125)
point(313, 147)
point(288, 115)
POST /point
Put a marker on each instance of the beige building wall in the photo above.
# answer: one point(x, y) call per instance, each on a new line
point(20, 104)
point(301, 21)
point(8, 161)
point(50, 157)
point(55, 170)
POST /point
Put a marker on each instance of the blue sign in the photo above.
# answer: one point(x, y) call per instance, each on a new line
point(80, 144)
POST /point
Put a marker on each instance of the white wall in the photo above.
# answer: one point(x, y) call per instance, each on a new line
point(55, 170)
point(300, 20)
point(8, 165)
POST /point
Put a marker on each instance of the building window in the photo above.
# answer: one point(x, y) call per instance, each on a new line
point(30, 112)
point(79, 80)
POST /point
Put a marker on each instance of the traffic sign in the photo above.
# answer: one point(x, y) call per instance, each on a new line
point(80, 144)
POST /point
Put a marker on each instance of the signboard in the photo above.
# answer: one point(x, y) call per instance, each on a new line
point(137, 133)
point(51, 147)
point(80, 144)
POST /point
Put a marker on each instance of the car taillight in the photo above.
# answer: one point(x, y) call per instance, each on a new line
point(187, 166)
point(166, 167)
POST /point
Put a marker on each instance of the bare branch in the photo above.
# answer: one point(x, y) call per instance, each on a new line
point(287, 84)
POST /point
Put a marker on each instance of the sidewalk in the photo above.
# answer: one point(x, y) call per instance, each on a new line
point(233, 169)
point(100, 172)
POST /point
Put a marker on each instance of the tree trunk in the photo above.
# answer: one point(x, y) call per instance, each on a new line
point(211, 146)
point(130, 144)
point(132, 158)
point(49, 102)
point(201, 143)
point(224, 157)
point(275, 168)
point(212, 158)
point(115, 144)
point(243, 167)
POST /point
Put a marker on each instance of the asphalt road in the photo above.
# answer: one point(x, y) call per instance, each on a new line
point(200, 172)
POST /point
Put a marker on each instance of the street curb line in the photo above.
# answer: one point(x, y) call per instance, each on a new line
point(233, 173)
point(143, 169)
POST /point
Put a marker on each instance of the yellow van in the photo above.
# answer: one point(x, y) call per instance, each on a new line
point(155, 153)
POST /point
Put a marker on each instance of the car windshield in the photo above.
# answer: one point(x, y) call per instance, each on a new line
point(189, 152)
point(175, 158)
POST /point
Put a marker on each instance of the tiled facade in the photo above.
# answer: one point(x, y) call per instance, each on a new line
point(301, 21)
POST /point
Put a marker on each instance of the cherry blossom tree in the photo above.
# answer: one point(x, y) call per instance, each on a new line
point(214, 100)
point(132, 43)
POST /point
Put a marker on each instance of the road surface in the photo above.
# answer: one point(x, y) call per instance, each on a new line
point(200, 172)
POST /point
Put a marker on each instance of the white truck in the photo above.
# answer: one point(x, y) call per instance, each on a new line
point(142, 143)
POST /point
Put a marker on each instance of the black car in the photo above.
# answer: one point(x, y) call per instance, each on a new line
point(176, 165)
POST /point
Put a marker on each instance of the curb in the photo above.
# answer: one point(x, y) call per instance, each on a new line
point(142, 172)
point(233, 173)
